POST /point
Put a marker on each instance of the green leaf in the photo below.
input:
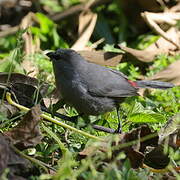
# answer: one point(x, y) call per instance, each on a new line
point(111, 48)
point(136, 108)
point(45, 23)
point(35, 30)
point(9, 66)
point(146, 118)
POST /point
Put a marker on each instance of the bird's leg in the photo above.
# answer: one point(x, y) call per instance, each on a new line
point(74, 119)
point(119, 129)
point(104, 129)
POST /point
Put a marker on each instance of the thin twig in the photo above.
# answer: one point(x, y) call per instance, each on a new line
point(104, 129)
point(55, 121)
point(33, 160)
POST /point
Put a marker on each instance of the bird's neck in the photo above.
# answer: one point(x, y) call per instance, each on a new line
point(77, 61)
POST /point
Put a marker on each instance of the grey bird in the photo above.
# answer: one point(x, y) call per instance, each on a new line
point(93, 89)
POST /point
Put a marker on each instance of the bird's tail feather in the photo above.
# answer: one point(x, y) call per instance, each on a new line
point(153, 84)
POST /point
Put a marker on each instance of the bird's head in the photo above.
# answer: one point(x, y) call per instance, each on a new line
point(61, 54)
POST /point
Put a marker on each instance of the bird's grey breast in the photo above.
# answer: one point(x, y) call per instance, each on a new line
point(70, 86)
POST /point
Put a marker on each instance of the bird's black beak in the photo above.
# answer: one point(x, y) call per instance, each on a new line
point(51, 55)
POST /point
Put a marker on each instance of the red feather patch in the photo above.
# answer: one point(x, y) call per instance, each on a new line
point(134, 84)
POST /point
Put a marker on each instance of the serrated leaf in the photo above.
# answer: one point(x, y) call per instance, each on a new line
point(146, 118)
point(136, 108)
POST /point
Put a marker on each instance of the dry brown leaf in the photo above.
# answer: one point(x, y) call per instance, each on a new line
point(84, 20)
point(101, 57)
point(141, 55)
point(136, 158)
point(27, 133)
point(17, 165)
point(170, 18)
point(161, 46)
point(15, 78)
point(7, 109)
point(169, 74)
point(86, 29)
point(30, 47)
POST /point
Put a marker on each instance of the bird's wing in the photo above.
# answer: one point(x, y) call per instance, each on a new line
point(106, 82)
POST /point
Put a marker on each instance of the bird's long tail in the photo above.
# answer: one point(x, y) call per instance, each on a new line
point(153, 84)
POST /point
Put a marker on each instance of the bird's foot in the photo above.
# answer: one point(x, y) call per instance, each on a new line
point(74, 119)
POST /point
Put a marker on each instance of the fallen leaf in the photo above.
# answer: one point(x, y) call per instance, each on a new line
point(136, 158)
point(161, 46)
point(18, 167)
point(169, 74)
point(87, 22)
point(171, 18)
point(26, 90)
point(136, 152)
point(6, 78)
point(27, 133)
point(101, 57)
point(26, 95)
point(7, 110)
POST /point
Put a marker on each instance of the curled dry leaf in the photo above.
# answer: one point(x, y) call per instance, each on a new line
point(140, 146)
point(135, 157)
point(8, 79)
point(25, 89)
point(157, 158)
point(101, 57)
point(27, 133)
point(26, 22)
point(140, 55)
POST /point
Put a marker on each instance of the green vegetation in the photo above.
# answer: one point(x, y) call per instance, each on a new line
point(60, 147)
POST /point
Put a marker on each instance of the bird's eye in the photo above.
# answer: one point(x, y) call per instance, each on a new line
point(53, 55)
